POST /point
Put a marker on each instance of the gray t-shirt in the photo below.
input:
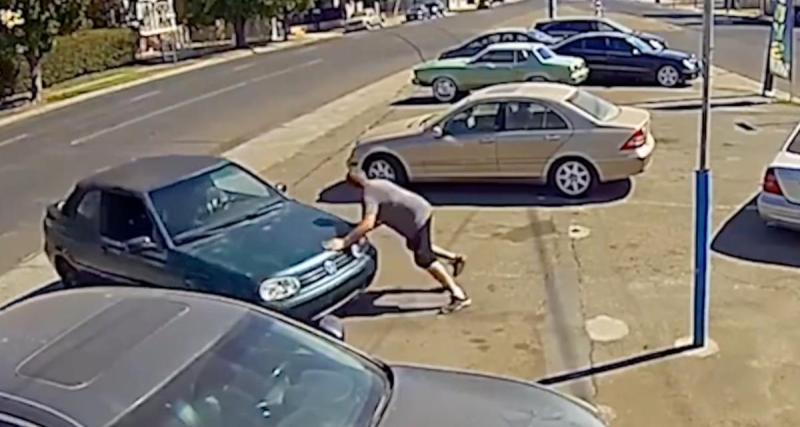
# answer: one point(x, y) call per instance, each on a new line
point(402, 210)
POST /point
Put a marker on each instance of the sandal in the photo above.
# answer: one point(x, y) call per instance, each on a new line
point(456, 304)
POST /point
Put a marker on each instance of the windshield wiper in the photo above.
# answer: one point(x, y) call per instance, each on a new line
point(210, 231)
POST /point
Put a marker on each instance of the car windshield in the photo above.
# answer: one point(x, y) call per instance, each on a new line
point(211, 200)
point(619, 27)
point(794, 146)
point(596, 107)
point(640, 44)
point(545, 52)
point(264, 372)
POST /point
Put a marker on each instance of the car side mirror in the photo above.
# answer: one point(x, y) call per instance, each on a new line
point(636, 52)
point(281, 187)
point(332, 326)
point(140, 244)
point(438, 131)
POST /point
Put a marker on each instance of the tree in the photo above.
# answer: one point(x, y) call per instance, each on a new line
point(236, 12)
point(33, 25)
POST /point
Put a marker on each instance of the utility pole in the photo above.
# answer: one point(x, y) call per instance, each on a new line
point(702, 215)
point(552, 8)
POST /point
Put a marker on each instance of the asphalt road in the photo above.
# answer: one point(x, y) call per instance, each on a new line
point(201, 111)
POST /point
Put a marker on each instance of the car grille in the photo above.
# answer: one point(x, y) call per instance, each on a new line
point(318, 272)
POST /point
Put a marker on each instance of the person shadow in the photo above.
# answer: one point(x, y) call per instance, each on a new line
point(395, 301)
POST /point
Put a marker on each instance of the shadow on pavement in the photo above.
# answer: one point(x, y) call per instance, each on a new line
point(395, 301)
point(696, 19)
point(610, 83)
point(745, 236)
point(496, 195)
point(697, 104)
point(50, 287)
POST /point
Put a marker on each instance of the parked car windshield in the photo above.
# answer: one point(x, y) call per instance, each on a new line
point(596, 107)
point(210, 200)
point(545, 52)
point(264, 372)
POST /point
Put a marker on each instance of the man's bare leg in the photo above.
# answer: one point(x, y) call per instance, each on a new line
point(441, 275)
point(458, 260)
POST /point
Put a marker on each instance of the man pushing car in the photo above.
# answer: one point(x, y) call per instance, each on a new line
point(410, 215)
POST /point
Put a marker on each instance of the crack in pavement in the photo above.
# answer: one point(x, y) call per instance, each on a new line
point(592, 345)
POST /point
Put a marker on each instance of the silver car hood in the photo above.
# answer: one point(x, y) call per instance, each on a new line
point(433, 397)
point(395, 130)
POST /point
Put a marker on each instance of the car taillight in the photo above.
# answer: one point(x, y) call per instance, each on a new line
point(635, 141)
point(771, 184)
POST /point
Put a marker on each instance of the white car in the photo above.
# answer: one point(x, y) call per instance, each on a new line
point(366, 19)
point(779, 200)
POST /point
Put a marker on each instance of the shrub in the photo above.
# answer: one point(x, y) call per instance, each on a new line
point(84, 52)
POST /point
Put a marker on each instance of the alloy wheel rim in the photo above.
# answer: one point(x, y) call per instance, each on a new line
point(573, 178)
point(668, 76)
point(381, 169)
point(445, 88)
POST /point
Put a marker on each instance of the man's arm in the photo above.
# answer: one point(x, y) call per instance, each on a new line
point(365, 226)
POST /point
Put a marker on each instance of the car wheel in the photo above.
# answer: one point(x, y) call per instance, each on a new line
point(385, 167)
point(668, 76)
point(444, 89)
point(69, 275)
point(573, 177)
point(537, 79)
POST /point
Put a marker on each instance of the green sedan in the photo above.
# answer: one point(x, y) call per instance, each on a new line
point(499, 63)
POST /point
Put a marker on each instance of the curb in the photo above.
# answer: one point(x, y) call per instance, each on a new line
point(180, 69)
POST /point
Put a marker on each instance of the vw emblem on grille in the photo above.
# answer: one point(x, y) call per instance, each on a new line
point(330, 266)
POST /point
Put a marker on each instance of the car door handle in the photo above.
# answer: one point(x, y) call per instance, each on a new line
point(487, 140)
point(552, 137)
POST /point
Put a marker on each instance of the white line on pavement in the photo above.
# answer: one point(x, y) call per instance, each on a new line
point(144, 96)
point(155, 113)
point(13, 140)
point(286, 70)
point(243, 67)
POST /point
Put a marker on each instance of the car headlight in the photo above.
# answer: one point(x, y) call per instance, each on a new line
point(278, 288)
point(688, 64)
point(359, 249)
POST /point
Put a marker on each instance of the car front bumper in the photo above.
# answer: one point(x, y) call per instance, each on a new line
point(326, 296)
point(579, 76)
point(776, 209)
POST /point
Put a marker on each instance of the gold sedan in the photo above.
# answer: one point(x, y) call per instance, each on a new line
point(541, 132)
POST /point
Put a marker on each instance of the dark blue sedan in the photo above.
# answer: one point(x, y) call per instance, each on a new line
point(625, 57)
point(502, 35)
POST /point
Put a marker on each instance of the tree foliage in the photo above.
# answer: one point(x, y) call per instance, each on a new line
point(236, 12)
point(32, 26)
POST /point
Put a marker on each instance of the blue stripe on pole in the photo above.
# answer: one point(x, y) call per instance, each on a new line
point(702, 222)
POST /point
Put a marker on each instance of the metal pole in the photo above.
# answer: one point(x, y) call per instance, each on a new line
point(552, 8)
point(703, 191)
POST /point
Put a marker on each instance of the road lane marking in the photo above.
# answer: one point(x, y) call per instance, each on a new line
point(144, 96)
point(13, 140)
point(243, 67)
point(121, 125)
point(286, 70)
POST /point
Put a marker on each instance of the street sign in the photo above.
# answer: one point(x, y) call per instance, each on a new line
point(780, 43)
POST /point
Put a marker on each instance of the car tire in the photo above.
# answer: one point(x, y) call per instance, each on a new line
point(383, 166)
point(444, 89)
point(537, 79)
point(668, 76)
point(70, 278)
point(572, 177)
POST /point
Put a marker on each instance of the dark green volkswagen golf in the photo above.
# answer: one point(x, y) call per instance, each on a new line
point(204, 223)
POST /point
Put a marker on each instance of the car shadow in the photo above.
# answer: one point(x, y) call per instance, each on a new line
point(494, 195)
point(610, 83)
point(50, 287)
point(376, 303)
point(745, 236)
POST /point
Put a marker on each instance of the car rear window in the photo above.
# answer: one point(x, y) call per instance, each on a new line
point(794, 146)
point(596, 107)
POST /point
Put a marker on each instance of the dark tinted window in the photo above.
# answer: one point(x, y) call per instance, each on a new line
point(578, 26)
point(531, 116)
point(595, 43)
point(88, 208)
point(602, 26)
point(554, 120)
point(498, 57)
point(519, 37)
point(125, 217)
point(479, 43)
point(477, 119)
point(619, 45)
point(266, 373)
point(794, 146)
point(572, 46)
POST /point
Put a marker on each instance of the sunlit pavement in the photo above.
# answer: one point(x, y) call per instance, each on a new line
point(559, 285)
